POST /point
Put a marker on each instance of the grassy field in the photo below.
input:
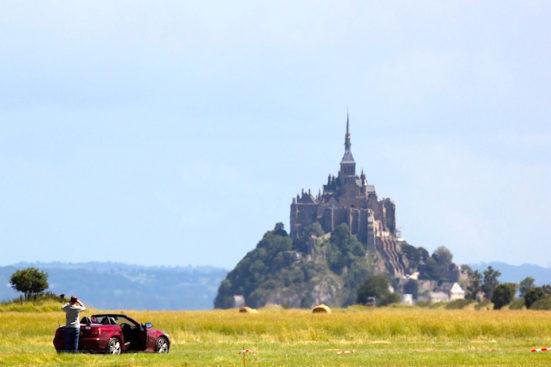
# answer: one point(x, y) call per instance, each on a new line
point(380, 337)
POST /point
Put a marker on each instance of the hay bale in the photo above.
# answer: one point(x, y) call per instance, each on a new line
point(247, 310)
point(321, 309)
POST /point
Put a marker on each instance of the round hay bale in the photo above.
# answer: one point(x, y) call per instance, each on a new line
point(321, 309)
point(247, 310)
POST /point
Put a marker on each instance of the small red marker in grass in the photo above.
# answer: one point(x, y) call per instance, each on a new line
point(245, 352)
point(351, 351)
point(541, 349)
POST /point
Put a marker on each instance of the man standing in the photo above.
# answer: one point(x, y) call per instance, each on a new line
point(72, 324)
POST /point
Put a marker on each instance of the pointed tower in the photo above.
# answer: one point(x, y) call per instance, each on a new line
point(347, 172)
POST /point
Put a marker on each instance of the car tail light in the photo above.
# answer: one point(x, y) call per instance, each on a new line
point(96, 331)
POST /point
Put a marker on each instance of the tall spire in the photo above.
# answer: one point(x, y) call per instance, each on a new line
point(347, 143)
point(347, 152)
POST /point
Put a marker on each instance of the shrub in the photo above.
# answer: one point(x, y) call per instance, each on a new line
point(533, 295)
point(376, 286)
point(458, 304)
point(542, 304)
point(423, 304)
point(484, 305)
point(503, 294)
point(517, 304)
point(388, 299)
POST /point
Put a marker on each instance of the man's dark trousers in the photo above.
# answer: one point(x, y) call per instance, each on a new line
point(71, 339)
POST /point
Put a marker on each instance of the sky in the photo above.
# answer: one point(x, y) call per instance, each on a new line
point(177, 132)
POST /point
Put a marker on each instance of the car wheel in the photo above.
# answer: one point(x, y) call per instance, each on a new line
point(161, 346)
point(114, 346)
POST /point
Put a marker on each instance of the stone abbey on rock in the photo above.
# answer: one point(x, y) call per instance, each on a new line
point(348, 198)
point(319, 262)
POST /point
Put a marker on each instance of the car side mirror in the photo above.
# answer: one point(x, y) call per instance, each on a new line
point(148, 325)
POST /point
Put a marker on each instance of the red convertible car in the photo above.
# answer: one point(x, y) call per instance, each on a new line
point(115, 333)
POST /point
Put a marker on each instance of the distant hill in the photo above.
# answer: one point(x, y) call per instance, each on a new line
point(516, 273)
point(122, 286)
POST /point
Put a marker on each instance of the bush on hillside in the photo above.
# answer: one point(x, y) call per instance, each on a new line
point(439, 266)
point(377, 286)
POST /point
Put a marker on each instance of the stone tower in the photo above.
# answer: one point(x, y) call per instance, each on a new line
point(349, 199)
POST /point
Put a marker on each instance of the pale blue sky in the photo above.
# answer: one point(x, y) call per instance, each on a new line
point(175, 133)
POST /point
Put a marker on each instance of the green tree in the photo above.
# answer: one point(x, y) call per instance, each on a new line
point(440, 266)
point(347, 242)
point(376, 286)
point(430, 270)
point(30, 281)
point(305, 242)
point(525, 285)
point(475, 279)
point(423, 254)
point(335, 259)
point(443, 256)
point(533, 295)
point(344, 248)
point(279, 229)
point(503, 294)
point(490, 281)
point(314, 229)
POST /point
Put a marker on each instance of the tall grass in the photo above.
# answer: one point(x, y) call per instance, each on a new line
point(299, 325)
point(389, 336)
point(38, 303)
